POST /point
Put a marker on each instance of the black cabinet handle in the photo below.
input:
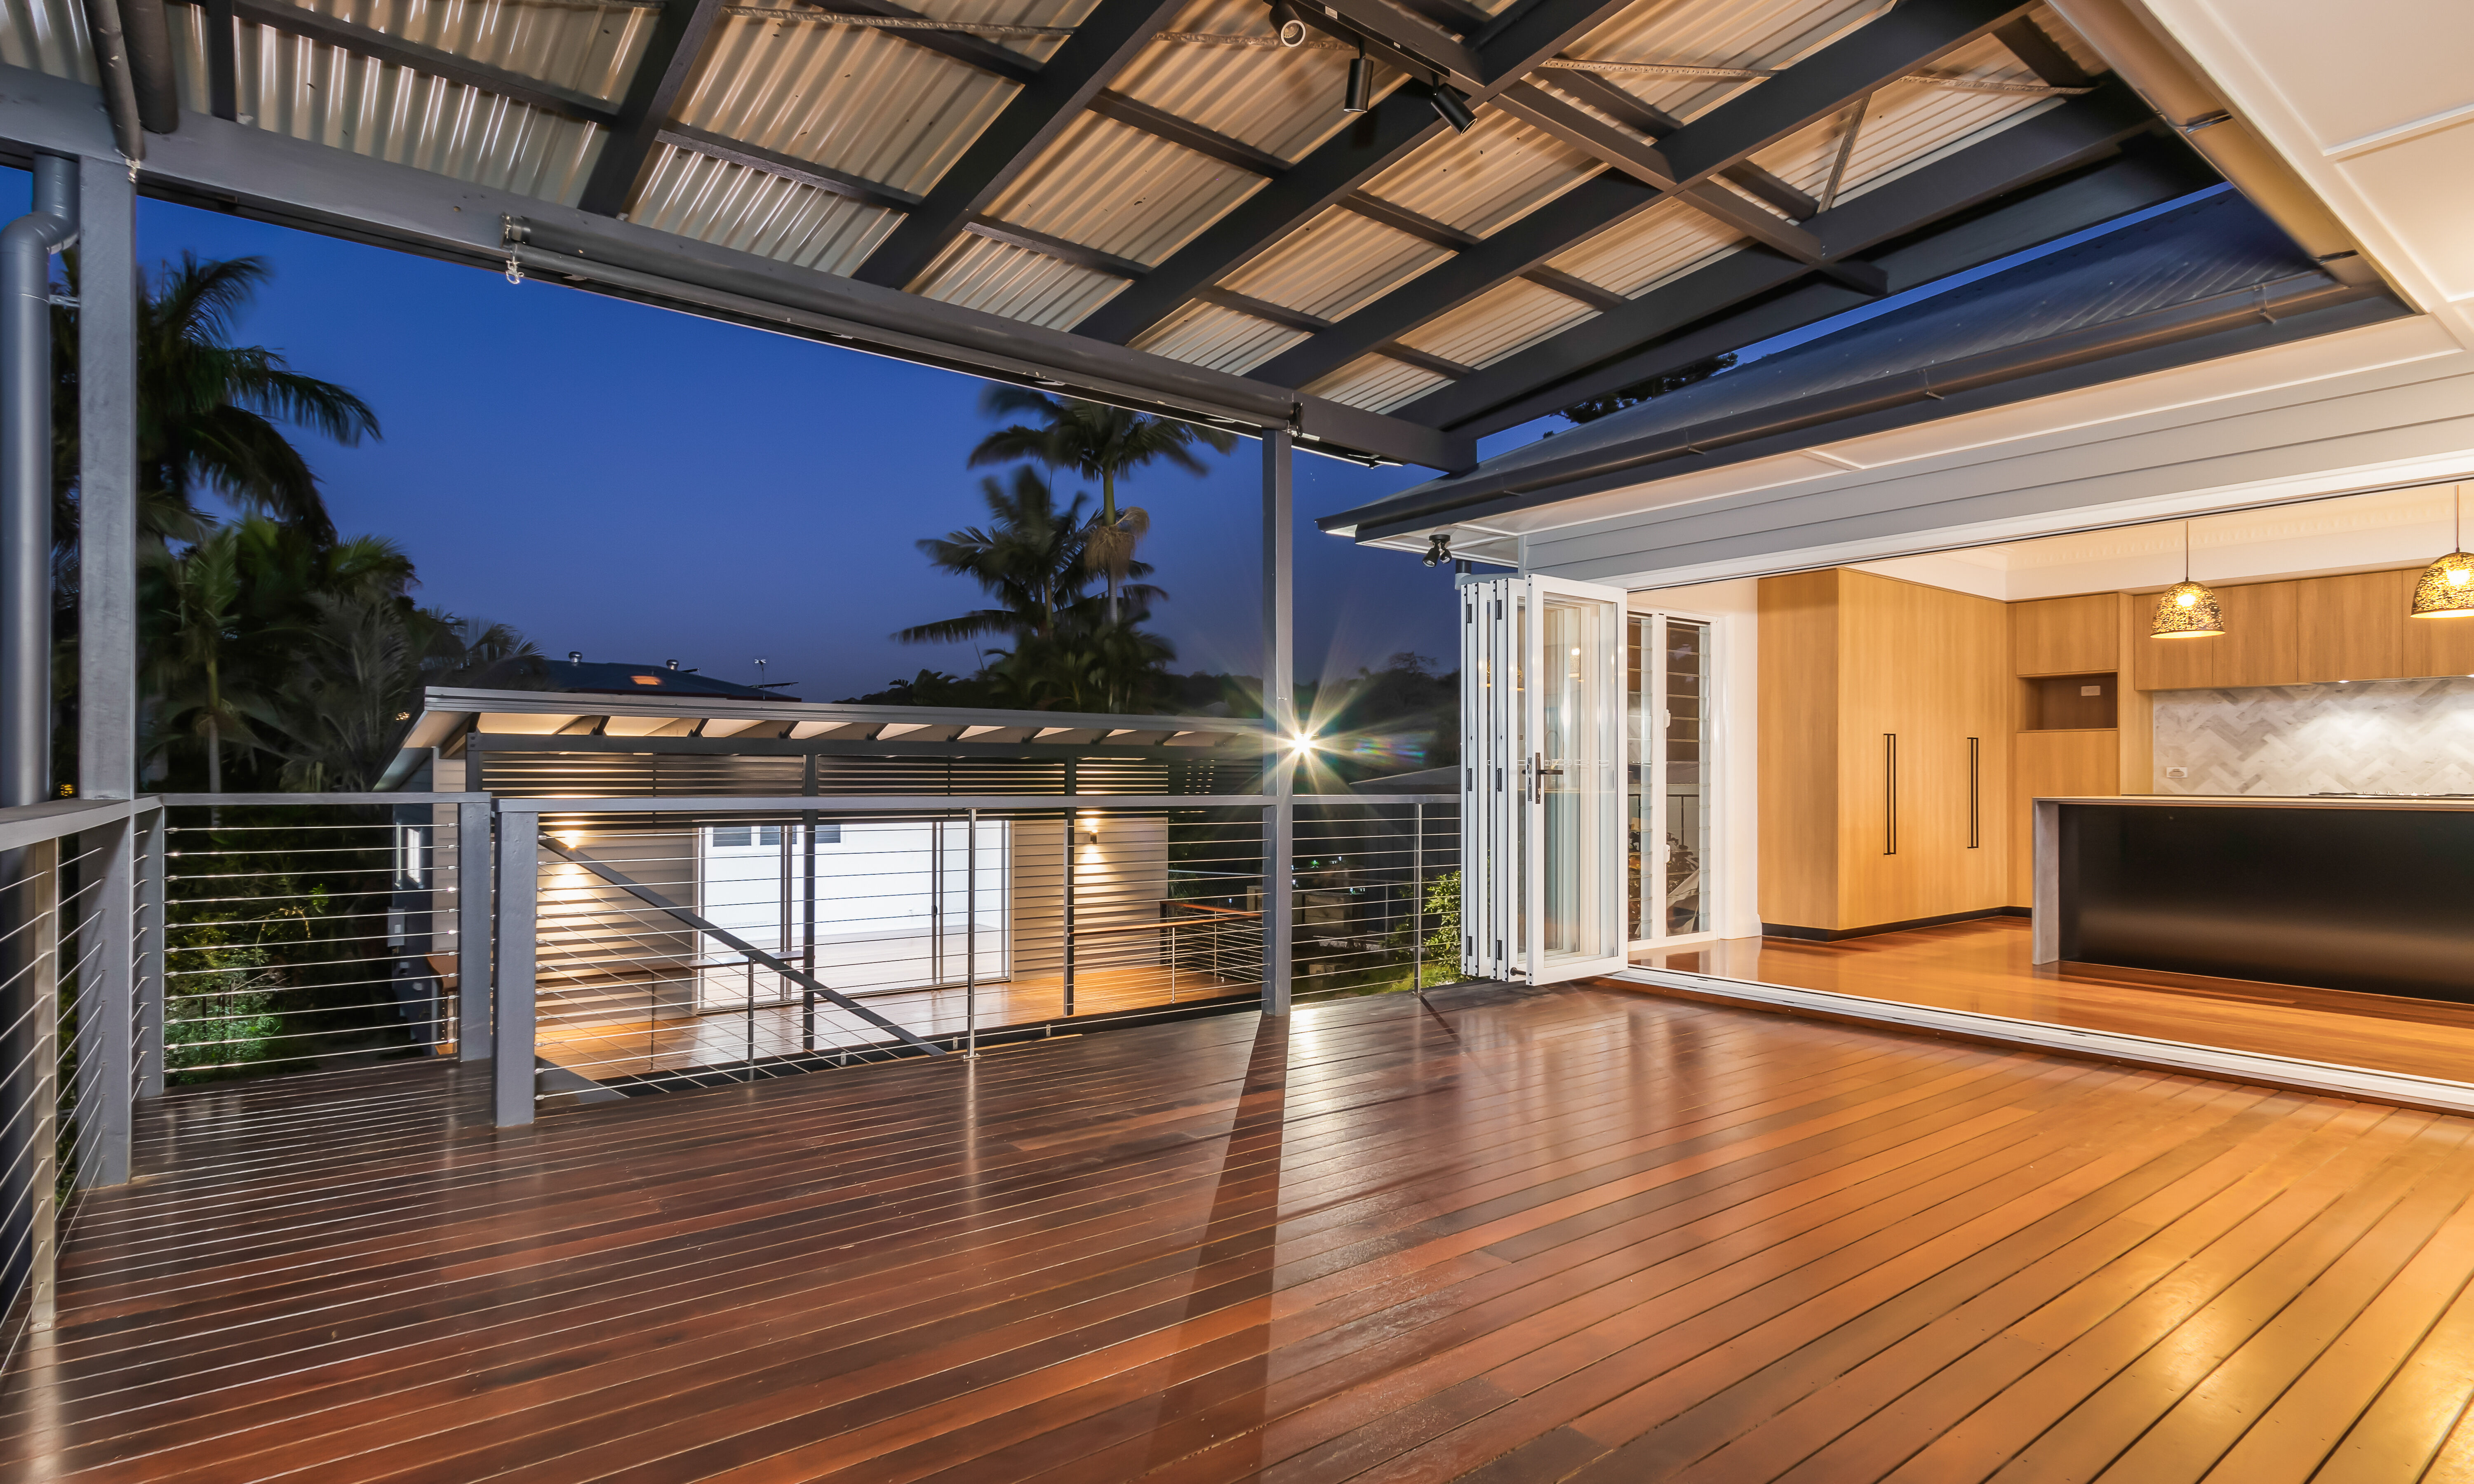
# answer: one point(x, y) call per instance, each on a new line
point(1890, 793)
point(1975, 793)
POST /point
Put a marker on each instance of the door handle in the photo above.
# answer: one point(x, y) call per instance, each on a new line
point(1539, 769)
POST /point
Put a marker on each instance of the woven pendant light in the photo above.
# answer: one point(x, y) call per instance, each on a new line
point(2187, 610)
point(2446, 590)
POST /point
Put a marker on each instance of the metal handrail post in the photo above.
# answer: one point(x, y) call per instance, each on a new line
point(519, 919)
point(471, 931)
point(104, 1033)
point(44, 896)
point(1417, 905)
point(148, 1032)
point(1280, 709)
point(971, 937)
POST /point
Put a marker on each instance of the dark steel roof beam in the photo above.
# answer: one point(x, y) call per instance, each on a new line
point(1073, 252)
point(1649, 335)
point(1161, 124)
point(1880, 51)
point(2028, 41)
point(1647, 164)
point(1411, 355)
point(379, 47)
point(661, 74)
point(969, 50)
point(1102, 43)
point(1330, 174)
point(1519, 248)
point(1573, 286)
point(823, 178)
point(1262, 309)
point(1656, 123)
point(1401, 219)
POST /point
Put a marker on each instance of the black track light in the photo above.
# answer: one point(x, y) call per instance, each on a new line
point(1451, 106)
point(1439, 551)
point(1287, 25)
point(1360, 83)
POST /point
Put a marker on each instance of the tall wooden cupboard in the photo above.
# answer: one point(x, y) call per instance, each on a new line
point(1885, 720)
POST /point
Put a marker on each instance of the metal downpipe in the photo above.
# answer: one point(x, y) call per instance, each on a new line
point(118, 82)
point(26, 248)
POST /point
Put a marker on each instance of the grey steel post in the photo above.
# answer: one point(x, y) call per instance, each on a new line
point(519, 856)
point(151, 944)
point(971, 934)
point(106, 321)
point(45, 997)
point(1072, 782)
point(106, 1084)
point(1280, 711)
point(471, 931)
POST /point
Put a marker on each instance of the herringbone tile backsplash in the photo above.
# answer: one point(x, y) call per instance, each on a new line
point(2366, 737)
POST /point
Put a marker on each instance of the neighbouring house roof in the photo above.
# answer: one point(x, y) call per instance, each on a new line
point(594, 676)
point(2167, 284)
point(633, 723)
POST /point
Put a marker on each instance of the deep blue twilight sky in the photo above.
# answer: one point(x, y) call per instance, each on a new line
point(644, 485)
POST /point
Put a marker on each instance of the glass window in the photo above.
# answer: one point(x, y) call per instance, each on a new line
point(1667, 728)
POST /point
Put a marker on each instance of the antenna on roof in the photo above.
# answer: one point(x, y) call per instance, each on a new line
point(759, 672)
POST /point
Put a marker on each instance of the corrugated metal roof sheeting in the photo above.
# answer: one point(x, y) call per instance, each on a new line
point(1377, 382)
point(1227, 339)
point(1662, 244)
point(1906, 122)
point(1272, 99)
point(1123, 191)
point(1015, 283)
point(1335, 263)
point(2051, 24)
point(591, 48)
point(47, 36)
point(733, 206)
point(862, 102)
point(310, 91)
point(1507, 317)
point(1501, 170)
point(1759, 34)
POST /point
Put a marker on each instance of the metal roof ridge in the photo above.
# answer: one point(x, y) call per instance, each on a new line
point(449, 699)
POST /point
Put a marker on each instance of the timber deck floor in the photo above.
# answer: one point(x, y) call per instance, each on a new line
point(1983, 967)
point(1570, 1233)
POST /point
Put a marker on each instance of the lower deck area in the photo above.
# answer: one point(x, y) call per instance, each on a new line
point(1584, 1233)
point(1983, 967)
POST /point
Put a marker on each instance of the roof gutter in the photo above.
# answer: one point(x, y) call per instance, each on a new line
point(2280, 298)
point(2173, 86)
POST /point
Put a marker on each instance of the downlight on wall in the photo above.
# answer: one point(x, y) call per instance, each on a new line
point(2187, 610)
point(2446, 588)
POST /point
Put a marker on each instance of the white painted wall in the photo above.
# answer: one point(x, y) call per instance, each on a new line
point(1733, 610)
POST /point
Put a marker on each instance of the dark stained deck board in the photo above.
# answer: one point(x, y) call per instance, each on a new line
point(1515, 1236)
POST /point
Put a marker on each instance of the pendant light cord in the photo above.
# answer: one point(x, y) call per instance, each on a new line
point(2186, 551)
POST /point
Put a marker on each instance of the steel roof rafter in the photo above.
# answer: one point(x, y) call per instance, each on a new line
point(1625, 346)
point(1102, 45)
point(394, 51)
point(662, 74)
point(969, 50)
point(1333, 172)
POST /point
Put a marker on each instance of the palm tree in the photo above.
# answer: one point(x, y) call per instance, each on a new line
point(1031, 558)
point(209, 411)
point(192, 683)
point(1099, 441)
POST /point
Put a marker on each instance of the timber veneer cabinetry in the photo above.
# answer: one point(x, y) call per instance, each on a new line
point(1886, 716)
point(2310, 631)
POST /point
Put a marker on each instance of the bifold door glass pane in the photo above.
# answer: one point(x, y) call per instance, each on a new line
point(1576, 778)
point(1687, 738)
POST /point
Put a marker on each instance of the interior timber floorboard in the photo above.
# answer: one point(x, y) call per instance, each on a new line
point(1494, 1234)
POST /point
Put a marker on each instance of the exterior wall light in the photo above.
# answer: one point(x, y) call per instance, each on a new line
point(2446, 588)
point(1360, 93)
point(1453, 109)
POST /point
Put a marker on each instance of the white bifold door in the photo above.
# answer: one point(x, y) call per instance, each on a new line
point(1542, 780)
